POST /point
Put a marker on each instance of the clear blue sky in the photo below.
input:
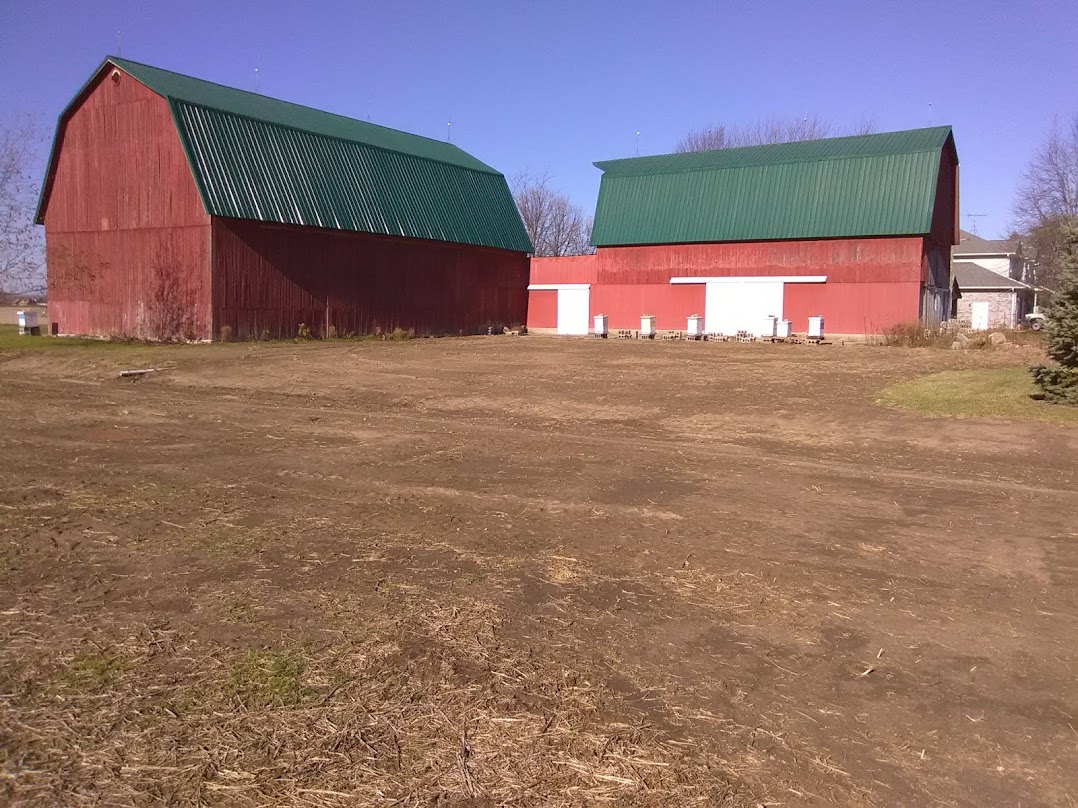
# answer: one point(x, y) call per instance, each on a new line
point(557, 85)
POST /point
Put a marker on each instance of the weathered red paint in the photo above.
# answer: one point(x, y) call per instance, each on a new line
point(130, 248)
point(127, 237)
point(543, 309)
point(270, 278)
point(624, 303)
point(866, 260)
point(570, 269)
point(872, 283)
point(851, 308)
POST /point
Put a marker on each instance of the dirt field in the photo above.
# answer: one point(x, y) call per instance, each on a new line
point(503, 570)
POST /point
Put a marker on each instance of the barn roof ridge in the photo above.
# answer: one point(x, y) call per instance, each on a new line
point(255, 119)
point(697, 161)
point(168, 84)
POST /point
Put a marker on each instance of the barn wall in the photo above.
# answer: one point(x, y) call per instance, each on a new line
point(127, 237)
point(542, 309)
point(866, 260)
point(872, 283)
point(624, 303)
point(567, 269)
point(851, 308)
point(271, 278)
point(945, 211)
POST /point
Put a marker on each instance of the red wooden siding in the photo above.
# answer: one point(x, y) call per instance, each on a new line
point(623, 303)
point(872, 283)
point(569, 269)
point(273, 277)
point(127, 237)
point(866, 260)
point(851, 308)
point(543, 309)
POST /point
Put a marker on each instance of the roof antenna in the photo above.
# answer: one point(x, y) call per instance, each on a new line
point(449, 130)
point(638, 143)
point(258, 84)
point(973, 224)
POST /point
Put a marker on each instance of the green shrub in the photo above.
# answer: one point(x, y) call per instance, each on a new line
point(304, 332)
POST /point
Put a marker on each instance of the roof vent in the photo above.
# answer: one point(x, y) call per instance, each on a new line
point(115, 76)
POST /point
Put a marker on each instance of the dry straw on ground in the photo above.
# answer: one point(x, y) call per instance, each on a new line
point(451, 713)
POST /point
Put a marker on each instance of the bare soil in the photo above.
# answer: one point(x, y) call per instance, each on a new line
point(529, 570)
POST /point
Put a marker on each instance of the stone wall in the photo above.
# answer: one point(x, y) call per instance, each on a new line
point(1000, 311)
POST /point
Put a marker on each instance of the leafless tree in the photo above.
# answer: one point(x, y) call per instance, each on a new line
point(21, 242)
point(1047, 199)
point(556, 226)
point(771, 130)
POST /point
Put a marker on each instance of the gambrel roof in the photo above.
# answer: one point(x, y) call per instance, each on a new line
point(868, 185)
point(255, 157)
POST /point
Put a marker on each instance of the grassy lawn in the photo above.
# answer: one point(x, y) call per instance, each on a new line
point(11, 340)
point(1004, 393)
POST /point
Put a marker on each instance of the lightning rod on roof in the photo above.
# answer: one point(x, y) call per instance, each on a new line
point(119, 43)
point(449, 130)
point(258, 85)
point(929, 113)
point(638, 143)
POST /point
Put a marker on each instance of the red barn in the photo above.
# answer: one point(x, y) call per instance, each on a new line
point(178, 208)
point(855, 229)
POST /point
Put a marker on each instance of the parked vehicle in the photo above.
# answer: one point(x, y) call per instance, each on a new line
point(1035, 320)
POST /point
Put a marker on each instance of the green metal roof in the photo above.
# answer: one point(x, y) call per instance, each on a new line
point(868, 185)
point(255, 157)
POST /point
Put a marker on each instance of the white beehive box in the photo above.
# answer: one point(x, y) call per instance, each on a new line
point(783, 329)
point(647, 325)
point(27, 321)
point(696, 325)
point(600, 322)
point(768, 327)
point(815, 327)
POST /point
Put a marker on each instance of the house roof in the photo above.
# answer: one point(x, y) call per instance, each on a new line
point(971, 244)
point(255, 157)
point(867, 185)
point(973, 276)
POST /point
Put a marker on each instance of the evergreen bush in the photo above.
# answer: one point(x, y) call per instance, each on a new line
point(1059, 383)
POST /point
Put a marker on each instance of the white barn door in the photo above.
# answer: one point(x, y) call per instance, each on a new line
point(740, 306)
point(573, 307)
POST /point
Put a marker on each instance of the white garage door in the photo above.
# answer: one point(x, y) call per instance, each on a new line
point(740, 306)
point(573, 311)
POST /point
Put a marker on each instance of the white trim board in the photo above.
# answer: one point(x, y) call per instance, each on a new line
point(755, 279)
point(554, 287)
